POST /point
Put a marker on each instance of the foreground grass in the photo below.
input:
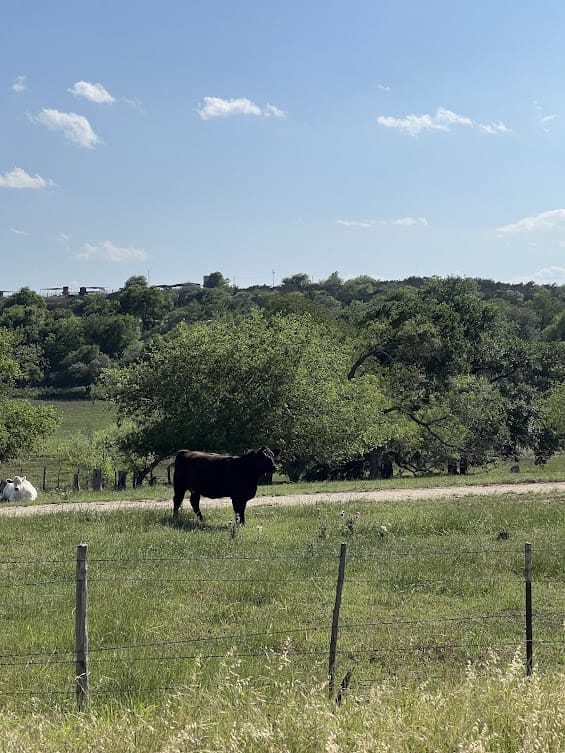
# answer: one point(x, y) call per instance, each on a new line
point(212, 638)
point(499, 712)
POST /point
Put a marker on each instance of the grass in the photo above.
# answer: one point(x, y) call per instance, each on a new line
point(216, 638)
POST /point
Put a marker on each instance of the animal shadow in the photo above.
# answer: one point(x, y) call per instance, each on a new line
point(189, 524)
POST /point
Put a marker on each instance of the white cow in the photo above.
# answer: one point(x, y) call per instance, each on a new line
point(24, 488)
point(8, 491)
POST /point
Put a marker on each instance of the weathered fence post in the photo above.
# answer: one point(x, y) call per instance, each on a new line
point(81, 630)
point(44, 484)
point(97, 479)
point(335, 620)
point(529, 626)
point(76, 482)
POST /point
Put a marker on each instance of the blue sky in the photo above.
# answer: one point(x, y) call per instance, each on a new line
point(175, 139)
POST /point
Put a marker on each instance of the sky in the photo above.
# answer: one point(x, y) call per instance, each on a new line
point(387, 138)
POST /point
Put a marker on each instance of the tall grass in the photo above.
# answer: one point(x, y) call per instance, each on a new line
point(216, 638)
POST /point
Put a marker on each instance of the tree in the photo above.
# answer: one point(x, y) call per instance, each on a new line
point(22, 424)
point(215, 280)
point(455, 368)
point(149, 305)
point(230, 385)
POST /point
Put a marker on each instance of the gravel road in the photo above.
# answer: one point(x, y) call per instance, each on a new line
point(380, 495)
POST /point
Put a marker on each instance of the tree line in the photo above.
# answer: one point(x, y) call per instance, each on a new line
point(341, 376)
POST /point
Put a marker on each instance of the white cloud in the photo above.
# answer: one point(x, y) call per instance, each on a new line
point(107, 251)
point(18, 232)
point(443, 120)
point(215, 107)
point(545, 276)
point(19, 84)
point(544, 221)
point(545, 120)
point(93, 92)
point(76, 128)
point(494, 128)
point(383, 87)
point(271, 111)
point(357, 223)
point(402, 221)
point(18, 178)
point(134, 103)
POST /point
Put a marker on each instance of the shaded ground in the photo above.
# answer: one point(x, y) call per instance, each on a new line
point(381, 495)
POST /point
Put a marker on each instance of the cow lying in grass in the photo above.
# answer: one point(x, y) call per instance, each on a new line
point(24, 488)
point(206, 474)
point(8, 491)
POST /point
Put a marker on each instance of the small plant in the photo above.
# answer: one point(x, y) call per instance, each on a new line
point(349, 522)
point(322, 526)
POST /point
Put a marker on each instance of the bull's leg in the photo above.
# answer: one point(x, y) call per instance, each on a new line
point(195, 502)
point(239, 510)
point(177, 500)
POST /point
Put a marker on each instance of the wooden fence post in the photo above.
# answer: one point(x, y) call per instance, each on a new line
point(81, 629)
point(529, 625)
point(44, 484)
point(97, 481)
point(335, 620)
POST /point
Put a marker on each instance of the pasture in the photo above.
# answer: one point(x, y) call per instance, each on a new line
point(216, 638)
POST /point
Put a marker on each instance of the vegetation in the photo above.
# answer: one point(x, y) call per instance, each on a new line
point(344, 377)
point(216, 638)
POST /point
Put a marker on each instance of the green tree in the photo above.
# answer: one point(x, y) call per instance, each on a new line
point(229, 385)
point(22, 424)
point(150, 305)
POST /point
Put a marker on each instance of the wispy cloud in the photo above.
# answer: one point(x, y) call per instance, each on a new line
point(402, 221)
point(18, 178)
point(93, 92)
point(16, 231)
point(383, 87)
point(108, 251)
point(20, 84)
point(545, 276)
point(75, 128)
point(494, 128)
point(215, 107)
point(546, 221)
point(134, 103)
point(442, 120)
point(544, 120)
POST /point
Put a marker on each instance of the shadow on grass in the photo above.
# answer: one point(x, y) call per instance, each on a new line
point(190, 523)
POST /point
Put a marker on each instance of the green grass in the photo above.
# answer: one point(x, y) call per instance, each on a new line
point(425, 599)
point(215, 638)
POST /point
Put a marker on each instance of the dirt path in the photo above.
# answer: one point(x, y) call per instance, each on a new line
point(380, 495)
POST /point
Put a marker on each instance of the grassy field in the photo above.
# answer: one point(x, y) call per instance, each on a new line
point(216, 638)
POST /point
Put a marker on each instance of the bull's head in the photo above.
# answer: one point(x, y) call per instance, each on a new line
point(266, 460)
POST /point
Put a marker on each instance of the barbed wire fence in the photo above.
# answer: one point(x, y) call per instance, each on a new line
point(339, 642)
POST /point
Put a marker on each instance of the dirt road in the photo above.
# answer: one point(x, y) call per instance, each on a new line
point(380, 495)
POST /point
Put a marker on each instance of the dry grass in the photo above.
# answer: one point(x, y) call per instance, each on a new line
point(499, 711)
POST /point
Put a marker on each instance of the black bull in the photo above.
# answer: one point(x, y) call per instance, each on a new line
point(206, 474)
